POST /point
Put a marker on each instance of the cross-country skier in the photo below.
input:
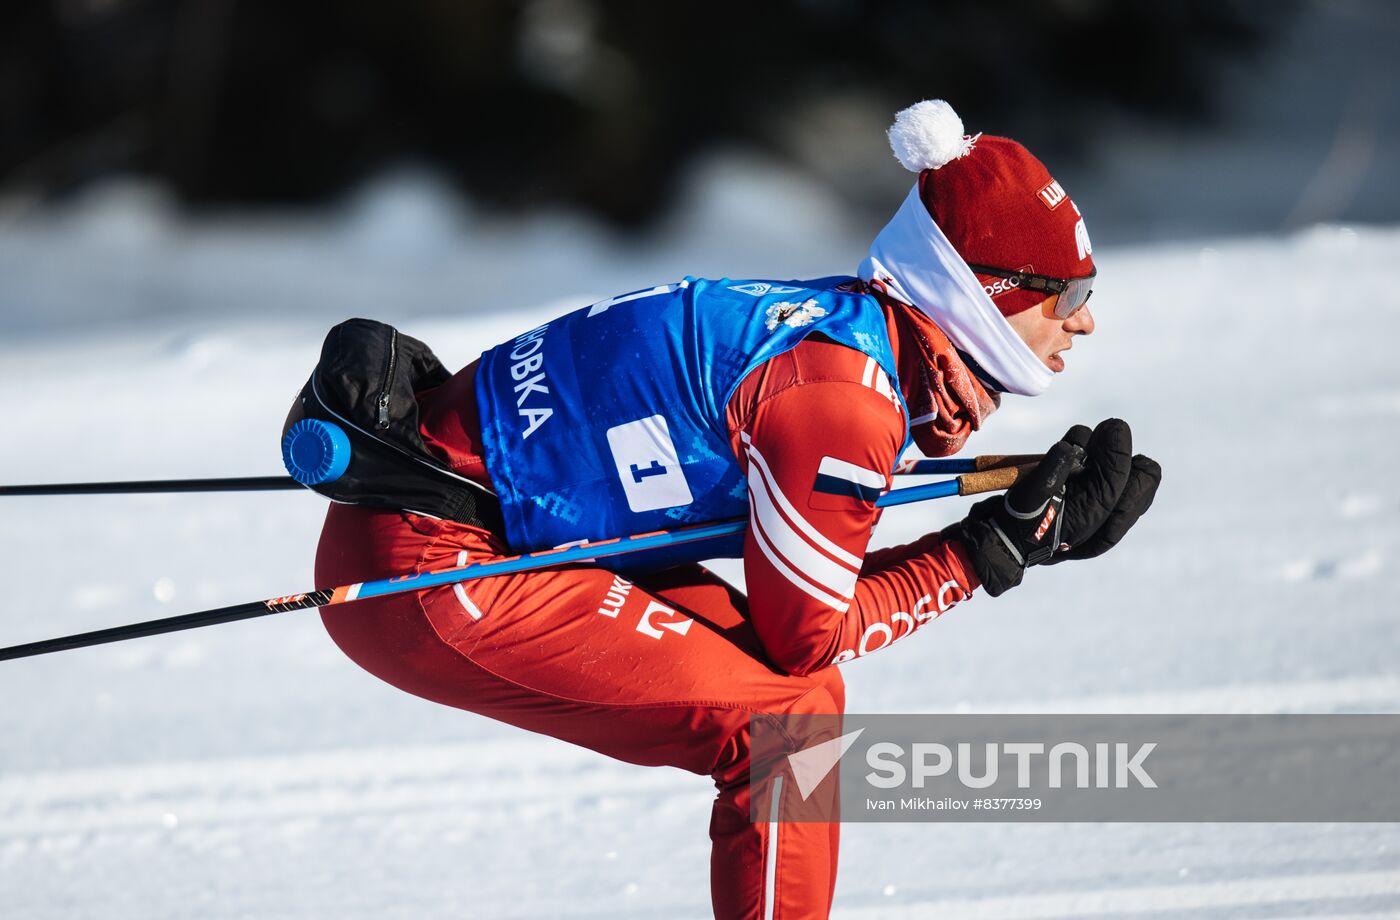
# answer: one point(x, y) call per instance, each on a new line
point(786, 401)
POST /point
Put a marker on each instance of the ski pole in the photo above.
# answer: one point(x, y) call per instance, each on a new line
point(236, 484)
point(954, 465)
point(921, 467)
point(968, 484)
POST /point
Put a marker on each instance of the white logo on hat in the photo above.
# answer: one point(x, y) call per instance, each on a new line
point(1001, 286)
point(1081, 239)
point(1052, 195)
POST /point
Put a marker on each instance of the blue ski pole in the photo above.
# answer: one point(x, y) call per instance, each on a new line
point(966, 484)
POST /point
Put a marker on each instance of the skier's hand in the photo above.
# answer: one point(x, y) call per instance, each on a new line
point(1078, 502)
point(1106, 499)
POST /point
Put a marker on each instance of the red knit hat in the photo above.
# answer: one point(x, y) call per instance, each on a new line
point(995, 202)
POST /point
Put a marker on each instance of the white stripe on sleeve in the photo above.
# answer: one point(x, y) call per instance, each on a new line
point(784, 570)
point(816, 536)
point(793, 546)
point(882, 386)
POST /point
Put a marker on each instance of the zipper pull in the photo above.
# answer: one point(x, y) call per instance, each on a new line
point(384, 410)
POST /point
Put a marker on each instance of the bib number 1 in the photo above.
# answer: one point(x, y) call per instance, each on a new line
point(647, 465)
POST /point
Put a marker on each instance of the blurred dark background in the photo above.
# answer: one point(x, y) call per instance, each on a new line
point(597, 105)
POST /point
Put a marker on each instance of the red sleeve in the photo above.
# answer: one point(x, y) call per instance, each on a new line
point(817, 431)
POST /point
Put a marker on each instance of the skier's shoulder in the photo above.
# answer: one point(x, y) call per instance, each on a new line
point(818, 359)
point(818, 379)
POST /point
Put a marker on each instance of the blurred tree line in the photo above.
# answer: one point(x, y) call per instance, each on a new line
point(581, 102)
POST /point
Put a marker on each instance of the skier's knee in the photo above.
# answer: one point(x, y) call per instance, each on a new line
point(834, 684)
point(825, 694)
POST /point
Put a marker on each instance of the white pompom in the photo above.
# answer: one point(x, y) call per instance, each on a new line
point(928, 135)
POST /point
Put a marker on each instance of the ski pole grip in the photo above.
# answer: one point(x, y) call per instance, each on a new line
point(997, 461)
point(993, 480)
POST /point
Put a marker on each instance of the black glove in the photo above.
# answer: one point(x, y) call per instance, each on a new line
point(1080, 500)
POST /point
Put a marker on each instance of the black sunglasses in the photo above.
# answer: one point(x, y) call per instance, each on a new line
point(1074, 292)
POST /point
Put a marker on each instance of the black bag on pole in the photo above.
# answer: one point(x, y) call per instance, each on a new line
point(367, 382)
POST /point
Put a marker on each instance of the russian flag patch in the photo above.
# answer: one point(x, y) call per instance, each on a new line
point(840, 477)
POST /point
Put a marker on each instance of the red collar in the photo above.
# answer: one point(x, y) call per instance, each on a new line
point(933, 378)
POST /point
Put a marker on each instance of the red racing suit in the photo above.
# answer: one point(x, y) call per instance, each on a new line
point(668, 669)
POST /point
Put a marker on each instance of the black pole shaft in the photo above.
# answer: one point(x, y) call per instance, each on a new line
point(238, 484)
point(168, 624)
point(231, 484)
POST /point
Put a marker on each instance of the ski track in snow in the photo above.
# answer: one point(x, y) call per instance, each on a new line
point(248, 770)
point(457, 798)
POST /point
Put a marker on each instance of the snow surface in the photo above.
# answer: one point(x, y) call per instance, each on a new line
point(249, 770)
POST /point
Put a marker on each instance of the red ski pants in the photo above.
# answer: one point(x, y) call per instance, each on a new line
point(664, 672)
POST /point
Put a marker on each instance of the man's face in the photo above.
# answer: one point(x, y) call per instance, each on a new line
point(1047, 335)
